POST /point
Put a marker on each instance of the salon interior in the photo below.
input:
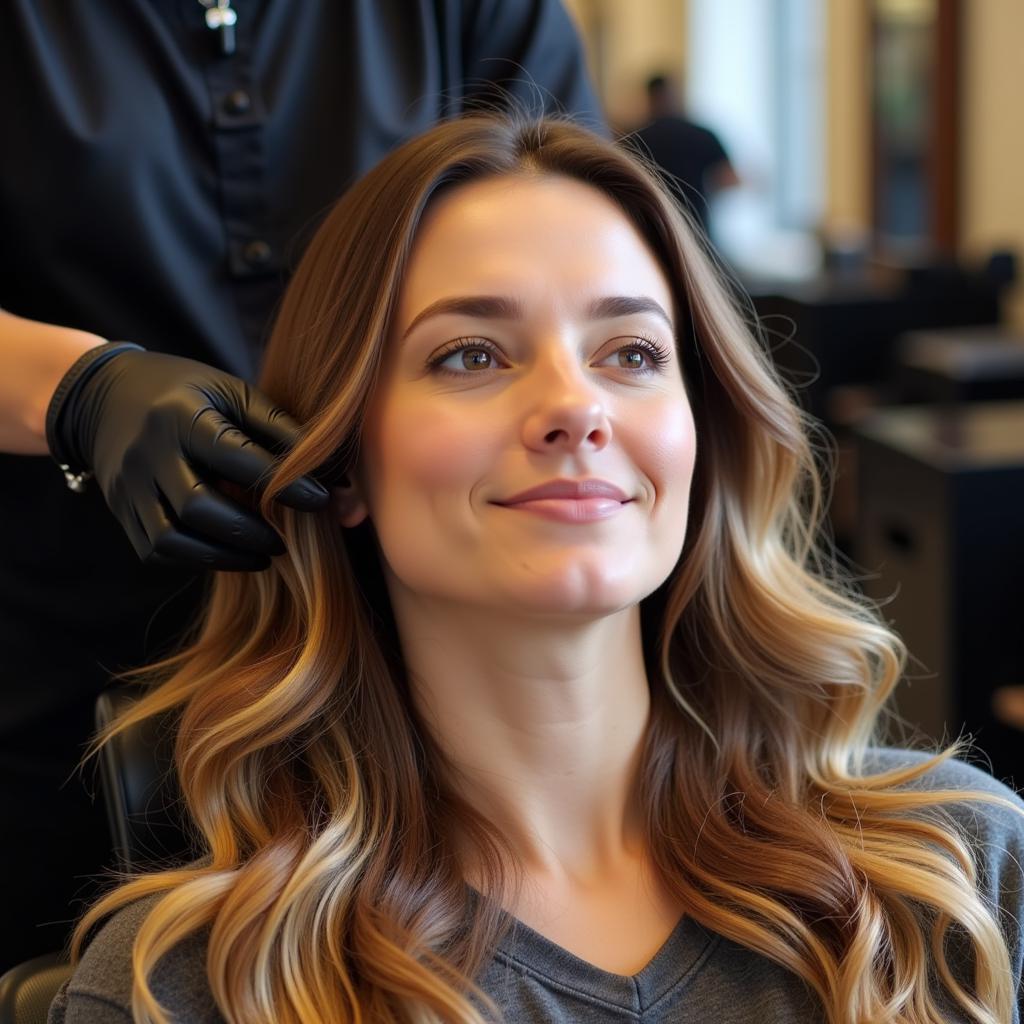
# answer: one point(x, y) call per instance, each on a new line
point(856, 166)
point(871, 207)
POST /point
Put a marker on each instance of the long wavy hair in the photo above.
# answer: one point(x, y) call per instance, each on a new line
point(330, 884)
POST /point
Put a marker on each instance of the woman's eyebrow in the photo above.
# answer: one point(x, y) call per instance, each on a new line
point(486, 307)
point(500, 307)
point(626, 305)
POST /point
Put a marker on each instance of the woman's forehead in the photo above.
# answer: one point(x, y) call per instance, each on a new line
point(528, 236)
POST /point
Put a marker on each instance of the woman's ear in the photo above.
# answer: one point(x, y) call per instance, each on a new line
point(347, 503)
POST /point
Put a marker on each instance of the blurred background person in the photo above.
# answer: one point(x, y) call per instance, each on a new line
point(683, 149)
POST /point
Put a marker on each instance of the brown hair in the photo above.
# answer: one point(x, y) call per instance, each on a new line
point(331, 887)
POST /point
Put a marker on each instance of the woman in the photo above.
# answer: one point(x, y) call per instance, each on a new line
point(602, 748)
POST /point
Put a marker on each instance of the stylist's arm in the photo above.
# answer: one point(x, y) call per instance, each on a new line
point(156, 431)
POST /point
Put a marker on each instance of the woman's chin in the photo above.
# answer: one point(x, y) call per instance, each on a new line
point(571, 598)
point(573, 590)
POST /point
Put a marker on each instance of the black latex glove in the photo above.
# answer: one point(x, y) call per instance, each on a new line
point(157, 430)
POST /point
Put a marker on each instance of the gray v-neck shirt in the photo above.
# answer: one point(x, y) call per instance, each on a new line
point(695, 977)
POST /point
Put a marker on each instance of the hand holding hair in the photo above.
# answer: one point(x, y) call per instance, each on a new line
point(156, 431)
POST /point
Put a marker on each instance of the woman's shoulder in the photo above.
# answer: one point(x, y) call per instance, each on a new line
point(980, 818)
point(100, 989)
point(954, 773)
point(995, 830)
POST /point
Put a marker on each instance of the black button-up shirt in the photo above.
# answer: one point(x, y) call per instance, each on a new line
point(155, 190)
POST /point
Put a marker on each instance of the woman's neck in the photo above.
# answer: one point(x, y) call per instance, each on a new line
point(544, 728)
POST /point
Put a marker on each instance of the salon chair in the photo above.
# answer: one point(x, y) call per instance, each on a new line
point(147, 828)
point(147, 821)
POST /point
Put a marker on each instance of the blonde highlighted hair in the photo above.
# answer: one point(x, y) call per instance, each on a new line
point(331, 888)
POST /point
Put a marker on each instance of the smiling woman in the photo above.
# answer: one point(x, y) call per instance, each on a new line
point(548, 362)
point(560, 712)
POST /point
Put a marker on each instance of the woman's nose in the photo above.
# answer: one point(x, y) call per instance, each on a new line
point(567, 409)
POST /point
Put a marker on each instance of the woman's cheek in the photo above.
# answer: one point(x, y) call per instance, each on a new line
point(438, 448)
point(671, 444)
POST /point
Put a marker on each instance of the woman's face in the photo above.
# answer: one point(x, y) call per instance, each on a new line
point(533, 342)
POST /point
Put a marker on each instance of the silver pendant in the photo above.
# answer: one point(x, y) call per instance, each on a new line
point(221, 18)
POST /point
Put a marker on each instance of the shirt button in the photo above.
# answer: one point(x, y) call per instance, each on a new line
point(237, 102)
point(256, 253)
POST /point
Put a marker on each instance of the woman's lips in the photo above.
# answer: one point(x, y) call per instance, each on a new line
point(591, 487)
point(570, 510)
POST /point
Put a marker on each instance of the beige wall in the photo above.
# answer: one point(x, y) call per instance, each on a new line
point(992, 169)
point(628, 40)
point(847, 183)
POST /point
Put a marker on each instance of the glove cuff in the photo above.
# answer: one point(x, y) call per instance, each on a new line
point(75, 471)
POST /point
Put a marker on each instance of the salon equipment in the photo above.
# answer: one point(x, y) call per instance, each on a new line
point(841, 327)
point(960, 364)
point(147, 826)
point(941, 535)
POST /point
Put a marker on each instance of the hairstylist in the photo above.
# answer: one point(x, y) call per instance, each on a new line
point(165, 165)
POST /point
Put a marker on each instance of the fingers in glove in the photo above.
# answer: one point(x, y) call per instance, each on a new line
point(159, 541)
point(214, 441)
point(204, 512)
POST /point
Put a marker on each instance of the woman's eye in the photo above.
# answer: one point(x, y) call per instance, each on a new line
point(466, 356)
point(644, 355)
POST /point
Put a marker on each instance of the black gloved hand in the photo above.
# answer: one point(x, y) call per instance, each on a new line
point(155, 429)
